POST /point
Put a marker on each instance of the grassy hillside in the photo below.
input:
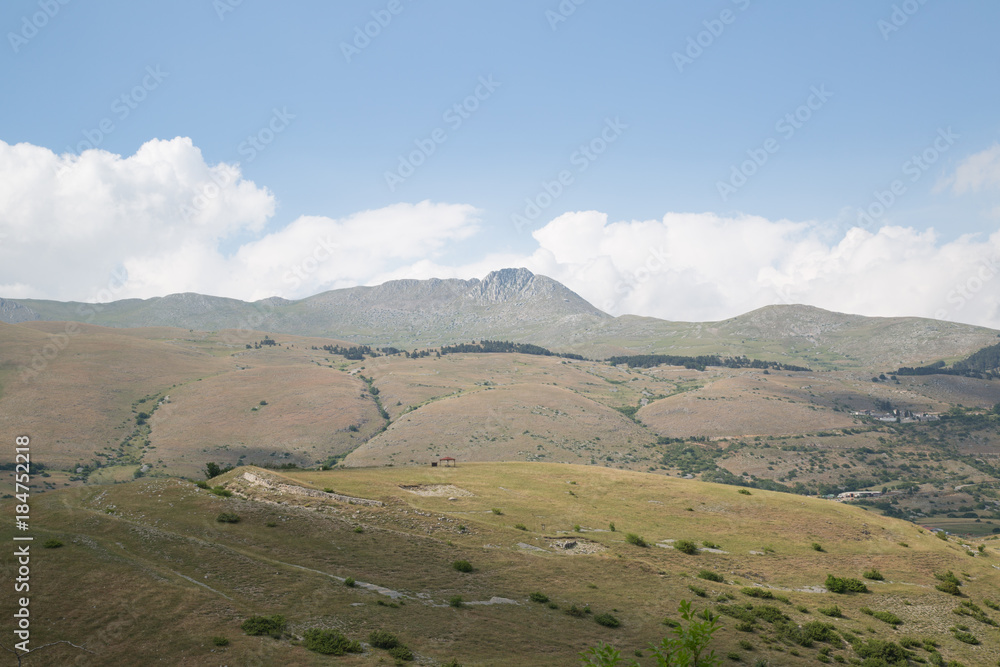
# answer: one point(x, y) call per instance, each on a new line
point(182, 578)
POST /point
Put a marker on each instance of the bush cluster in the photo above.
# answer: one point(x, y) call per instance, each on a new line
point(257, 626)
point(632, 538)
point(845, 585)
point(330, 642)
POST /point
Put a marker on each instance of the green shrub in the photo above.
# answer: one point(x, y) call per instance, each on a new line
point(874, 575)
point(964, 636)
point(708, 575)
point(52, 543)
point(710, 545)
point(970, 608)
point(697, 590)
point(577, 528)
point(734, 656)
point(878, 649)
point(359, 529)
point(538, 597)
point(202, 484)
point(744, 492)
point(766, 612)
point(383, 639)
point(611, 526)
point(462, 565)
point(746, 645)
point(257, 626)
point(349, 582)
point(884, 616)
point(686, 547)
point(271, 524)
point(497, 511)
point(832, 611)
point(520, 526)
point(220, 641)
point(757, 592)
point(575, 611)
point(607, 620)
point(400, 652)
point(816, 546)
point(456, 601)
point(845, 585)
point(221, 491)
point(949, 582)
point(632, 538)
point(991, 604)
point(228, 517)
point(330, 642)
point(948, 587)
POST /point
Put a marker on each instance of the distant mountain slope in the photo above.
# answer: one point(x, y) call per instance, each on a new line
point(517, 305)
point(13, 312)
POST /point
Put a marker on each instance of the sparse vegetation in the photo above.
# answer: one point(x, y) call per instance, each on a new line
point(844, 585)
point(607, 620)
point(330, 642)
point(52, 543)
point(462, 565)
point(874, 575)
point(228, 517)
point(686, 547)
point(632, 538)
point(538, 597)
point(708, 575)
point(257, 626)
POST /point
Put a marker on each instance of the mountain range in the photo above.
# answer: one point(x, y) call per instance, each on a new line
point(517, 305)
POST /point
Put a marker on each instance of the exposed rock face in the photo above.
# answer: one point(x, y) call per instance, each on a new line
point(13, 312)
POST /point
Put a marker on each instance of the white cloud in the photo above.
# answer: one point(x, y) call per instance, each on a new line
point(976, 172)
point(703, 267)
point(102, 226)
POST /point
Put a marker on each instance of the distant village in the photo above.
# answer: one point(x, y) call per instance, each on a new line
point(898, 416)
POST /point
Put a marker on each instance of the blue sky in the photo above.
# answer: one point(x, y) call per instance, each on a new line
point(684, 93)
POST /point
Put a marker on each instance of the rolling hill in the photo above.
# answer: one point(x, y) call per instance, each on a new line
point(184, 582)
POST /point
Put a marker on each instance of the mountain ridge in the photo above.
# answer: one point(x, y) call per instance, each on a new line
point(518, 305)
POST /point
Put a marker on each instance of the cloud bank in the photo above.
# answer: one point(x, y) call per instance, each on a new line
point(100, 226)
